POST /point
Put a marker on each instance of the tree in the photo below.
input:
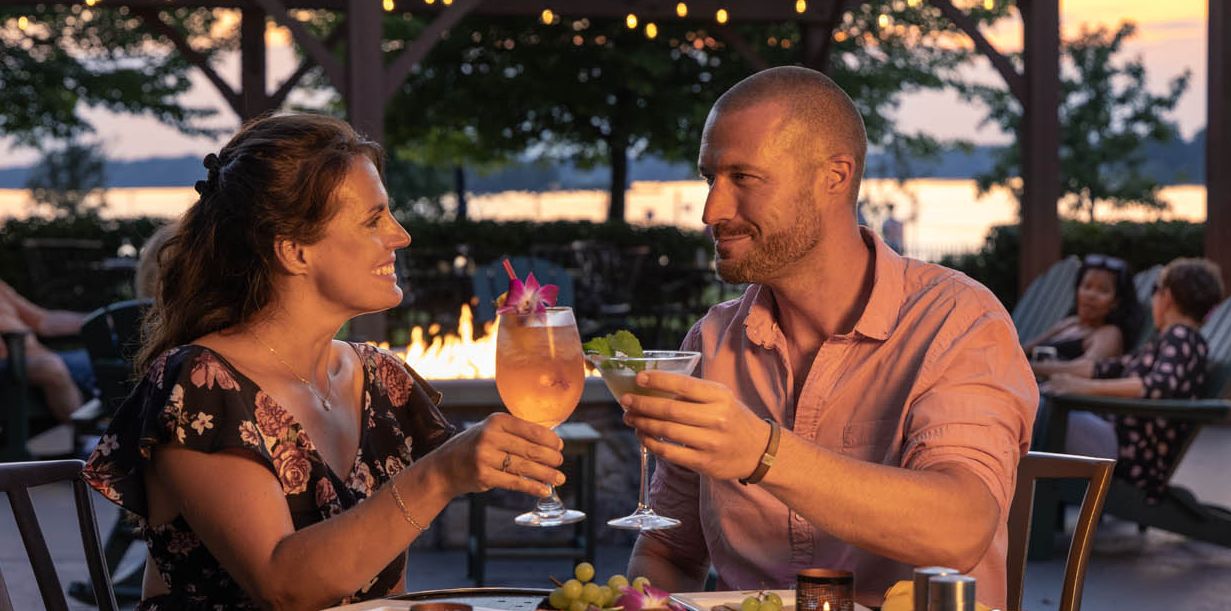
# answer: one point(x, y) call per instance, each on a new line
point(596, 91)
point(55, 58)
point(72, 181)
point(1107, 117)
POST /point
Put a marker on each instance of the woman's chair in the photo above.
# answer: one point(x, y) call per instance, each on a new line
point(15, 481)
point(1035, 466)
point(1048, 298)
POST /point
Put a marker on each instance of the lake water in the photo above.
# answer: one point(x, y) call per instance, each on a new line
point(941, 216)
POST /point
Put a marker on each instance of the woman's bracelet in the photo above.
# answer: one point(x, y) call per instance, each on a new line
point(397, 497)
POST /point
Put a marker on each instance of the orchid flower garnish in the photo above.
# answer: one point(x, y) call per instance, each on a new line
point(652, 598)
point(529, 297)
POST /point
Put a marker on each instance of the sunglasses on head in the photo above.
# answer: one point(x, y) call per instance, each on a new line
point(1105, 262)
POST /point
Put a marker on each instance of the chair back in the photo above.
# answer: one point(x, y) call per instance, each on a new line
point(15, 481)
point(1048, 298)
point(112, 336)
point(1217, 334)
point(1042, 465)
point(490, 280)
point(1143, 285)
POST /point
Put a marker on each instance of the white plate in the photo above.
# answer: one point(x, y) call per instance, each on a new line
point(704, 601)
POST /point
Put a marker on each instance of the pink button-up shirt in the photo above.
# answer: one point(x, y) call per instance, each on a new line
point(932, 373)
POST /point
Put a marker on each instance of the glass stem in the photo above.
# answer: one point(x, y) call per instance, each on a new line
point(550, 506)
point(643, 492)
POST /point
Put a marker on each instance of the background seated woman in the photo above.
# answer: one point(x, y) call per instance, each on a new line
point(1172, 366)
point(1104, 319)
point(272, 466)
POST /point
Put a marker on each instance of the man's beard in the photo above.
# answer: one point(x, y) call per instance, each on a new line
point(770, 253)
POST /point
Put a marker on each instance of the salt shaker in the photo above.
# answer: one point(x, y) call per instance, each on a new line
point(922, 576)
point(951, 593)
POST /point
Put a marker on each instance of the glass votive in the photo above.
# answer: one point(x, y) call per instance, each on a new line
point(922, 575)
point(824, 590)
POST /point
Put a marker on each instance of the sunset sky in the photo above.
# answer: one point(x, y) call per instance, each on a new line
point(1171, 38)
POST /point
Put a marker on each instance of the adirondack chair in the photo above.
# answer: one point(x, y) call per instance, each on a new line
point(1179, 510)
point(1047, 300)
point(490, 280)
point(1143, 283)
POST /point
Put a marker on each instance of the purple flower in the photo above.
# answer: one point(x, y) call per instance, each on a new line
point(528, 297)
point(652, 598)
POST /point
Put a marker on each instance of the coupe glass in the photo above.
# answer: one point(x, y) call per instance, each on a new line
point(540, 375)
point(620, 374)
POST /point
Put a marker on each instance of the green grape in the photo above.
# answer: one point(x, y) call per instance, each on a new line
point(771, 604)
point(640, 583)
point(616, 582)
point(558, 600)
point(584, 572)
point(774, 598)
point(608, 596)
point(591, 593)
point(750, 604)
point(577, 605)
point(572, 589)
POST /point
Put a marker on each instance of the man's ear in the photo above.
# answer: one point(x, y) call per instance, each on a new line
point(840, 173)
point(291, 255)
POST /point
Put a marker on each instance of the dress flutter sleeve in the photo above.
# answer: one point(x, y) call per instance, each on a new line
point(189, 398)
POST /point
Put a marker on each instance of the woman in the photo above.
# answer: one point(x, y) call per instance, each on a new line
point(1105, 313)
point(254, 436)
point(1172, 366)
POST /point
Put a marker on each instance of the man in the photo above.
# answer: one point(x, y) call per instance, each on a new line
point(49, 371)
point(893, 391)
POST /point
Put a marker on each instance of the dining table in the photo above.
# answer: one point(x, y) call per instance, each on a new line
point(528, 599)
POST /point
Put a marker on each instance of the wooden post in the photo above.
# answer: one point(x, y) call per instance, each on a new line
point(1040, 139)
point(1218, 140)
point(252, 79)
point(365, 107)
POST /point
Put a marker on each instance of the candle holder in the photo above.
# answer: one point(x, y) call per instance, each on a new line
point(824, 590)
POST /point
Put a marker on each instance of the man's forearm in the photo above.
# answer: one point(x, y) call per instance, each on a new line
point(945, 516)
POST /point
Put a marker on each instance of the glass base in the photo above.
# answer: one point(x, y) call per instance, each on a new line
point(568, 516)
point(644, 520)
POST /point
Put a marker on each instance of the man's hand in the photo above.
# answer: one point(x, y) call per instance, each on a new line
point(721, 438)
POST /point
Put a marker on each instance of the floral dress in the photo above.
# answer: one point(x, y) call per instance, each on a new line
point(193, 398)
point(1171, 366)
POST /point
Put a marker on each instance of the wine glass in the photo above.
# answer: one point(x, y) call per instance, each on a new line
point(620, 374)
point(540, 375)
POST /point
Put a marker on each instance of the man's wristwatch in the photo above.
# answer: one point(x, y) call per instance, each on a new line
point(767, 457)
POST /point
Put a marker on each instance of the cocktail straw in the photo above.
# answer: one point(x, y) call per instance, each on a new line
point(508, 267)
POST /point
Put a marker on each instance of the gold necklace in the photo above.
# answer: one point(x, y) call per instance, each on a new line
point(311, 387)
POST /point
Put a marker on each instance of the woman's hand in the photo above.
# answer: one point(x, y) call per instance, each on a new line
point(1067, 384)
point(720, 436)
point(503, 452)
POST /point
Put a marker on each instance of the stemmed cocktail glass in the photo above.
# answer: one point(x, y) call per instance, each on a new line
point(620, 374)
point(540, 375)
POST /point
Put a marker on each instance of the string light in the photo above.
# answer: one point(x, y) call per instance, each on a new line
point(884, 21)
point(547, 16)
point(651, 31)
point(385, 4)
point(631, 21)
point(722, 16)
point(23, 23)
point(447, 2)
point(91, 2)
point(681, 9)
point(989, 4)
point(429, 1)
point(801, 6)
point(914, 3)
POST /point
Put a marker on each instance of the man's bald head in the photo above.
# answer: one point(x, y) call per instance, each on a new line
point(822, 118)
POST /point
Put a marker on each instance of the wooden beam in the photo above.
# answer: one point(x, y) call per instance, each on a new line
point(253, 71)
point(741, 46)
point(396, 73)
point(153, 20)
point(1001, 63)
point(331, 42)
point(1218, 139)
point(817, 41)
point(1039, 139)
point(311, 45)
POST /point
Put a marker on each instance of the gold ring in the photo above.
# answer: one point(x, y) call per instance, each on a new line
point(508, 460)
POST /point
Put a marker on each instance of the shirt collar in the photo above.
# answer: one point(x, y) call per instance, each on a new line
point(879, 317)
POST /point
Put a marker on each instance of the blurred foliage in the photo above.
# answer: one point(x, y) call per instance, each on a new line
point(1142, 245)
point(59, 58)
point(65, 178)
point(1107, 117)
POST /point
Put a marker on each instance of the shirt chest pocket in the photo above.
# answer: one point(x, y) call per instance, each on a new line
point(869, 439)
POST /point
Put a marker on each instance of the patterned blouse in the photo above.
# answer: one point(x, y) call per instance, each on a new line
point(192, 397)
point(1171, 366)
